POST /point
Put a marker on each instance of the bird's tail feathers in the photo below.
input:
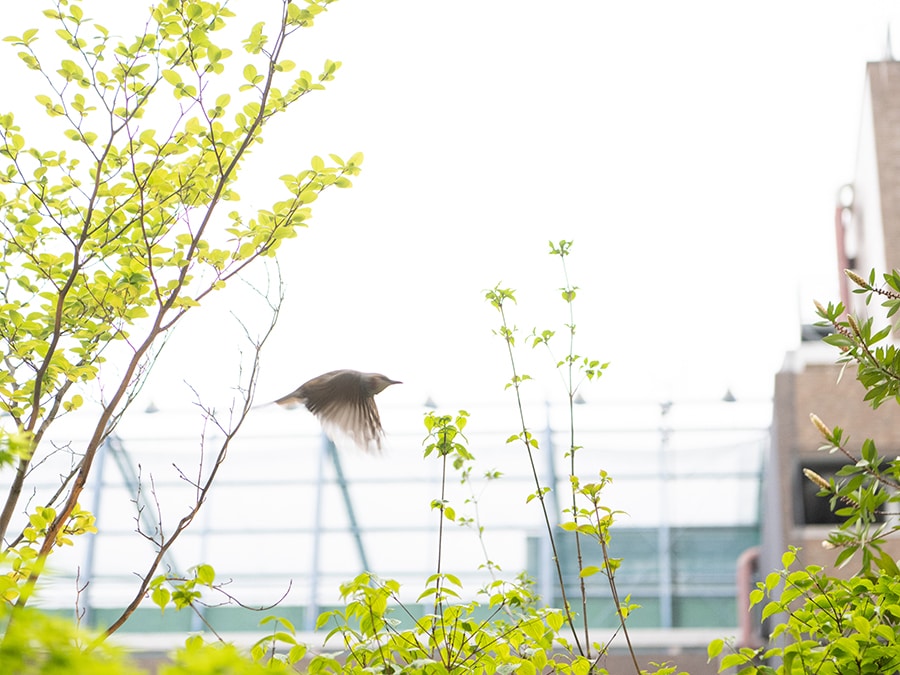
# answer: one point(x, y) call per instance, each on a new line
point(351, 442)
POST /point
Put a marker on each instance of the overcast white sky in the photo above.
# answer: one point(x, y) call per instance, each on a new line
point(691, 150)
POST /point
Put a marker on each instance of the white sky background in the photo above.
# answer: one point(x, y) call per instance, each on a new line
point(691, 150)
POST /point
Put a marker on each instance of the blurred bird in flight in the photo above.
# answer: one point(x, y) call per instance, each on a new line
point(344, 403)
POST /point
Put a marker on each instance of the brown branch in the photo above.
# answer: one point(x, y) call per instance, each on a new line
point(166, 543)
point(610, 575)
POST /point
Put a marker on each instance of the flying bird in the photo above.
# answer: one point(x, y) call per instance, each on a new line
point(344, 402)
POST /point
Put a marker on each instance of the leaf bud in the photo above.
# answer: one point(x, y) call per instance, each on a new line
point(856, 279)
point(820, 425)
point(816, 478)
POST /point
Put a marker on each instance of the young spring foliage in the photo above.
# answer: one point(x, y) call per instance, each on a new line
point(851, 623)
point(120, 211)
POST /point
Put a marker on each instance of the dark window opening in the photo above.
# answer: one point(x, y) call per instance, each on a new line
point(809, 507)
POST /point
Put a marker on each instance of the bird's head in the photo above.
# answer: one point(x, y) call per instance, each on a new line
point(375, 383)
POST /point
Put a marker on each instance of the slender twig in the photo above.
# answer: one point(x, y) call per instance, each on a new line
point(476, 520)
point(165, 543)
point(525, 436)
point(570, 391)
point(438, 580)
point(610, 575)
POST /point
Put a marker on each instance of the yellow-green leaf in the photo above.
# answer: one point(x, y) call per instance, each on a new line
point(589, 571)
point(171, 77)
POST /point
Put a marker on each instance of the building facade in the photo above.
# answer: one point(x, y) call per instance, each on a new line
point(867, 225)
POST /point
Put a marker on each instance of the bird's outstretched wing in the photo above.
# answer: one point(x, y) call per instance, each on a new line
point(343, 406)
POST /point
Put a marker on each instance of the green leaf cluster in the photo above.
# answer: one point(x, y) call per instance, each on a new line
point(39, 644)
point(181, 592)
point(120, 211)
point(832, 625)
point(862, 343)
point(862, 494)
point(514, 636)
point(443, 434)
point(111, 229)
point(826, 623)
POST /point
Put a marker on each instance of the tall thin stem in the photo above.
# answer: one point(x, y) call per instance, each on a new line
point(610, 574)
point(438, 601)
point(526, 440)
point(570, 390)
